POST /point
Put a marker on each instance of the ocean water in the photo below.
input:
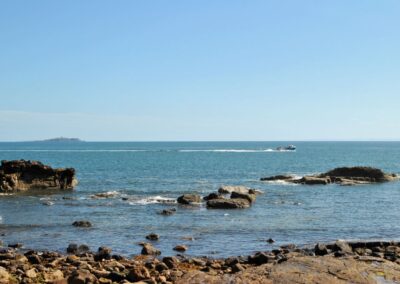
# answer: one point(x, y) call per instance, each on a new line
point(152, 175)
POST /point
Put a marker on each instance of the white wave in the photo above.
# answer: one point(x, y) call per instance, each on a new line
point(75, 150)
point(107, 194)
point(228, 150)
point(152, 200)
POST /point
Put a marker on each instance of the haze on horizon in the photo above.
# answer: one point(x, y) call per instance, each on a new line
point(200, 70)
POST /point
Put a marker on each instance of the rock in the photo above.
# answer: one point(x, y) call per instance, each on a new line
point(52, 276)
point(222, 203)
point(168, 212)
point(320, 249)
point(116, 276)
point(260, 258)
point(31, 273)
point(4, 275)
point(342, 247)
point(212, 196)
point(170, 261)
point(311, 180)
point(228, 189)
point(367, 174)
point(277, 177)
point(181, 248)
point(270, 241)
point(16, 245)
point(250, 197)
point(34, 259)
point(161, 267)
point(82, 223)
point(103, 253)
point(148, 249)
point(75, 249)
point(153, 237)
point(237, 268)
point(138, 273)
point(21, 175)
point(189, 199)
point(82, 276)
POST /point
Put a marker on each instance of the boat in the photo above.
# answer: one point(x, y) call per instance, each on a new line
point(287, 148)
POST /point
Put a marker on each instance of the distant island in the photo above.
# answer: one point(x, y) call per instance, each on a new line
point(61, 139)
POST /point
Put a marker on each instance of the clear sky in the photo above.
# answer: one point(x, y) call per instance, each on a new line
point(200, 70)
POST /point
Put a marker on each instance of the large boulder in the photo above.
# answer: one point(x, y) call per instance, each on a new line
point(223, 203)
point(228, 189)
point(250, 197)
point(21, 175)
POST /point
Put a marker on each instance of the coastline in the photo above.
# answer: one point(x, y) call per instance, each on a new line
point(338, 262)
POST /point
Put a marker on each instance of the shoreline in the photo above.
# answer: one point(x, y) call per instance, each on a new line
point(338, 262)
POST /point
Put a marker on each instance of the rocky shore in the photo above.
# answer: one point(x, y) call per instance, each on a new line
point(21, 175)
point(339, 262)
point(341, 176)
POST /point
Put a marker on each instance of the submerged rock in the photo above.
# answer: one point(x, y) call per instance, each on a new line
point(21, 175)
point(168, 212)
point(277, 177)
point(153, 237)
point(82, 223)
point(181, 248)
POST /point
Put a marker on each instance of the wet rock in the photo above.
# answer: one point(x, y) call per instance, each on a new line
point(75, 249)
point(189, 199)
point(311, 180)
point(103, 253)
point(34, 259)
point(82, 223)
point(153, 237)
point(250, 197)
point(277, 177)
point(270, 241)
point(181, 248)
point(148, 249)
point(212, 196)
point(16, 245)
point(21, 175)
point(222, 203)
point(168, 212)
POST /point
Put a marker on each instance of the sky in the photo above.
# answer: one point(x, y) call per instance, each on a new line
point(200, 70)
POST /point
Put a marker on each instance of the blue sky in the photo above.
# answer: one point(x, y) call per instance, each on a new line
point(200, 70)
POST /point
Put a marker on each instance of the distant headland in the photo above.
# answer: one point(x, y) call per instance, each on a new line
point(60, 139)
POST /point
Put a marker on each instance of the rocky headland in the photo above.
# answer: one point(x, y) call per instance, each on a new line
point(339, 262)
point(21, 175)
point(342, 176)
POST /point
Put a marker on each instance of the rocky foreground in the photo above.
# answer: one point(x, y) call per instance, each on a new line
point(21, 175)
point(339, 262)
point(342, 176)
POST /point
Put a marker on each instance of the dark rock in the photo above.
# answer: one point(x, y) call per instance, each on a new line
point(116, 276)
point(320, 249)
point(72, 248)
point(34, 259)
point(359, 173)
point(212, 196)
point(270, 241)
point(181, 248)
point(168, 212)
point(161, 267)
point(250, 197)
point(260, 258)
point(170, 261)
point(277, 177)
point(189, 199)
point(16, 245)
point(82, 223)
point(311, 180)
point(153, 237)
point(222, 203)
point(237, 268)
point(342, 247)
point(148, 249)
point(21, 175)
point(102, 253)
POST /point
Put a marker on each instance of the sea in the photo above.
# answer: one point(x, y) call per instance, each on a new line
point(143, 178)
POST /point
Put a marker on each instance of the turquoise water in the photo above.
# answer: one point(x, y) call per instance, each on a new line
point(147, 173)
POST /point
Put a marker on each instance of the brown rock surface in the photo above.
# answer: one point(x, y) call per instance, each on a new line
point(21, 175)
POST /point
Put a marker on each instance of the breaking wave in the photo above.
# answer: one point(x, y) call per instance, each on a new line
point(151, 200)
